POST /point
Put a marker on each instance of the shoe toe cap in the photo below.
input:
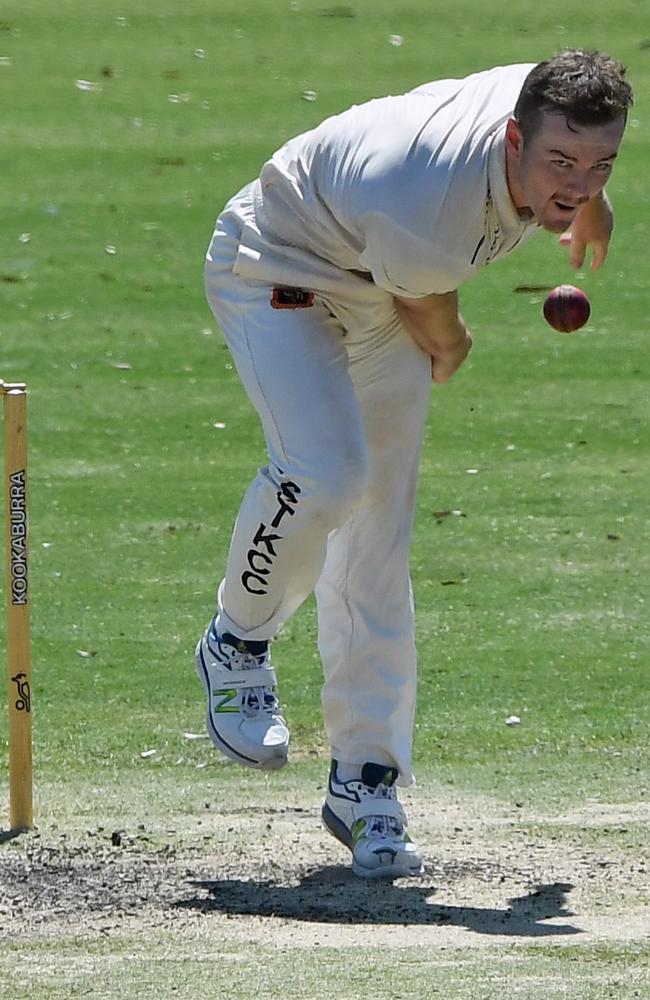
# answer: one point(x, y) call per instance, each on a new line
point(388, 856)
point(261, 734)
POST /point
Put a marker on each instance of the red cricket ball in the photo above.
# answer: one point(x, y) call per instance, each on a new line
point(566, 308)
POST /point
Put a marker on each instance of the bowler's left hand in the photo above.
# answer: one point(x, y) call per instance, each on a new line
point(591, 229)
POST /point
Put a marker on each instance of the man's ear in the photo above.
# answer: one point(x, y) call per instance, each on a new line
point(514, 138)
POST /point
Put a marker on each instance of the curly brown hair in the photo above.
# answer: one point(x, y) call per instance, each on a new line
point(588, 88)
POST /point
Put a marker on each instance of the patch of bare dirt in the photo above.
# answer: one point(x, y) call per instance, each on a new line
point(274, 875)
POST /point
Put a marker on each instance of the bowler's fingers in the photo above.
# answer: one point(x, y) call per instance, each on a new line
point(578, 251)
point(599, 254)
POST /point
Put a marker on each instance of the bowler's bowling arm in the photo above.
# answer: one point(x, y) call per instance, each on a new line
point(436, 325)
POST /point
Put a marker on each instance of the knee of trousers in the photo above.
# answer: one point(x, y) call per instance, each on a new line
point(330, 491)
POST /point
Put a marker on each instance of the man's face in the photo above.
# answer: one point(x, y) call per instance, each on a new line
point(559, 167)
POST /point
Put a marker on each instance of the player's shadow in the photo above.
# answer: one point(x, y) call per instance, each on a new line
point(334, 895)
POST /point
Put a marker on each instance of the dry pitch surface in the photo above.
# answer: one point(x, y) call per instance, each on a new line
point(273, 876)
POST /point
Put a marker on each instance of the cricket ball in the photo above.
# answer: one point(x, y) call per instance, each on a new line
point(566, 308)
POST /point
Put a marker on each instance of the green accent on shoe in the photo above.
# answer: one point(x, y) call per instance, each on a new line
point(358, 830)
point(226, 694)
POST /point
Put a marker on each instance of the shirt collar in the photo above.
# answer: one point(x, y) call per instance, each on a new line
point(498, 181)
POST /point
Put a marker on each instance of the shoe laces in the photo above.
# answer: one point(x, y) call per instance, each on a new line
point(383, 826)
point(245, 661)
point(236, 659)
point(259, 701)
point(255, 701)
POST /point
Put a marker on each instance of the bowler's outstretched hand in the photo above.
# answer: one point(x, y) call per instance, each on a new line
point(591, 229)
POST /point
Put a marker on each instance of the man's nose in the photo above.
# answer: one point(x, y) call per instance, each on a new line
point(579, 188)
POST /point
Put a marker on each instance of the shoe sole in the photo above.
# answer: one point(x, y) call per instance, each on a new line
point(273, 763)
point(339, 830)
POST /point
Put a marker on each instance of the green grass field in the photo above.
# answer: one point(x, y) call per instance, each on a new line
point(124, 131)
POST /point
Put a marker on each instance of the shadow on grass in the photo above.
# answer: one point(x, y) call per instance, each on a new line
point(334, 895)
point(7, 835)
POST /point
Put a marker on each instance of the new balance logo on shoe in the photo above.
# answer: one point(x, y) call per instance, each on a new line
point(223, 701)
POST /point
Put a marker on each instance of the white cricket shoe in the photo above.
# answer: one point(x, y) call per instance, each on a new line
point(244, 718)
point(367, 817)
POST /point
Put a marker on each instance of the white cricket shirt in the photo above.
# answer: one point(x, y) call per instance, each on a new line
point(408, 191)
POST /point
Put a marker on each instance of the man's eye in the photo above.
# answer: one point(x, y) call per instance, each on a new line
point(561, 163)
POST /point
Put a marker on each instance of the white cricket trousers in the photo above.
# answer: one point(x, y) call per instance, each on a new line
point(343, 409)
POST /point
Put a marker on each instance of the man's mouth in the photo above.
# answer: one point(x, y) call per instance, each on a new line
point(564, 207)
